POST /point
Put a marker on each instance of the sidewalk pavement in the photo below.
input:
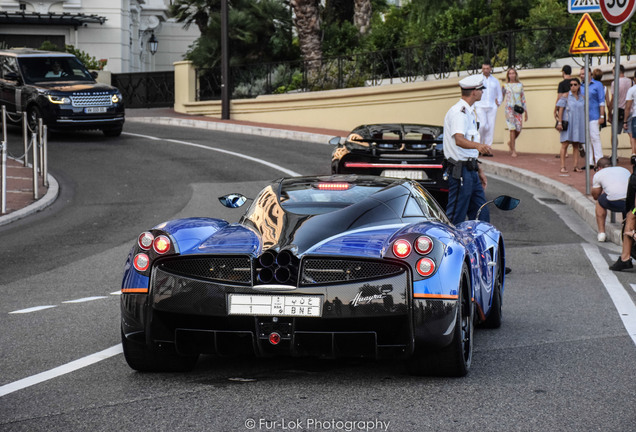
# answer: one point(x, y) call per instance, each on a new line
point(538, 170)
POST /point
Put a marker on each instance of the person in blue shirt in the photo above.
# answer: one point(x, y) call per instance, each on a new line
point(597, 113)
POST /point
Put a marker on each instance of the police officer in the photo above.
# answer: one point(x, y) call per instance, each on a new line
point(466, 180)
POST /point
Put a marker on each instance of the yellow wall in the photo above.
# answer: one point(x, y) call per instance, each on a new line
point(421, 102)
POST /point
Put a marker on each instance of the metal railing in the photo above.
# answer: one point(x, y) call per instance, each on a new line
point(146, 89)
point(521, 49)
point(34, 139)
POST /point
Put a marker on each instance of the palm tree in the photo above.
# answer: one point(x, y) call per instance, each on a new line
point(259, 31)
point(194, 12)
point(362, 15)
point(307, 23)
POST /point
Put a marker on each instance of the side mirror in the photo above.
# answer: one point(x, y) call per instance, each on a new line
point(94, 74)
point(502, 202)
point(334, 141)
point(233, 200)
point(505, 202)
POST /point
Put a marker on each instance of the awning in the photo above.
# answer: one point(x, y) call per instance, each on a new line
point(64, 19)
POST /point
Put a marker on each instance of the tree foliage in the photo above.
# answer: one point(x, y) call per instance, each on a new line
point(87, 60)
point(258, 31)
point(262, 30)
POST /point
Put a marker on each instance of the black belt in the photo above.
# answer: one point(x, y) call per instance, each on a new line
point(470, 164)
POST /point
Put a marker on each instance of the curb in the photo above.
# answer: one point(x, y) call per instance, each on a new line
point(570, 196)
point(39, 205)
point(236, 128)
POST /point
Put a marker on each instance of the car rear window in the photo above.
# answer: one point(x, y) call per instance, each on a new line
point(323, 197)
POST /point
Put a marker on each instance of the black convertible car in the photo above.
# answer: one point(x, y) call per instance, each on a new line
point(398, 150)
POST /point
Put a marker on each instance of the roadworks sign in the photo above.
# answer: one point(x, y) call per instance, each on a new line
point(587, 39)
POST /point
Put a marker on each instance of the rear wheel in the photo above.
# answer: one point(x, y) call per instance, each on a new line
point(494, 316)
point(455, 359)
point(140, 357)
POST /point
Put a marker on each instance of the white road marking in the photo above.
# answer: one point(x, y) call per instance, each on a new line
point(633, 287)
point(32, 309)
point(110, 352)
point(85, 299)
point(240, 155)
point(621, 298)
point(60, 370)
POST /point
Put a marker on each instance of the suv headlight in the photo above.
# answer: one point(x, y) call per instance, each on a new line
point(116, 98)
point(59, 99)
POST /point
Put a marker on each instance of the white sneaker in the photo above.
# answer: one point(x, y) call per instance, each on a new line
point(601, 237)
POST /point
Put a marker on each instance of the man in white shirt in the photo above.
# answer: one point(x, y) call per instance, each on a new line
point(609, 189)
point(487, 107)
point(55, 72)
point(466, 180)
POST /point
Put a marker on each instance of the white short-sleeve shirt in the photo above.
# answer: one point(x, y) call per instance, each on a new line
point(460, 118)
point(613, 181)
point(631, 96)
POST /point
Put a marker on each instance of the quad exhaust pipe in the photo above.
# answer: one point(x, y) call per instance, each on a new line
point(277, 267)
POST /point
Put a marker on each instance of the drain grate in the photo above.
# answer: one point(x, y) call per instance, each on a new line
point(552, 201)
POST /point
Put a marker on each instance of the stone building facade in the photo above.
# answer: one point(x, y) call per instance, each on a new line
point(115, 30)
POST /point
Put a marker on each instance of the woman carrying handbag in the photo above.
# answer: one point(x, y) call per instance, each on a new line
point(516, 110)
point(571, 123)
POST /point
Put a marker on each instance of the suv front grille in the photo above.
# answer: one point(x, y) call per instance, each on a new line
point(91, 100)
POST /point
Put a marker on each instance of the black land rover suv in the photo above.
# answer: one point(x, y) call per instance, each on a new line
point(58, 88)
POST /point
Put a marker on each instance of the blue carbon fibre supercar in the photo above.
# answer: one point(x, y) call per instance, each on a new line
point(326, 266)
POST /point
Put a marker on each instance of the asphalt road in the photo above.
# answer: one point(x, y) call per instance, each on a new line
point(562, 361)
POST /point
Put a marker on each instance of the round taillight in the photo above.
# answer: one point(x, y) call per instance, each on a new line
point(161, 244)
point(401, 248)
point(274, 338)
point(423, 245)
point(141, 262)
point(425, 267)
point(145, 240)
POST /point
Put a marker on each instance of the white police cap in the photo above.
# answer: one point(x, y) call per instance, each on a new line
point(472, 82)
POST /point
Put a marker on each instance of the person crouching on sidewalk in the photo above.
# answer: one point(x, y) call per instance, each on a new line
point(609, 189)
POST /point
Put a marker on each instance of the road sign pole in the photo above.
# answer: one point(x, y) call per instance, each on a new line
point(615, 124)
point(587, 124)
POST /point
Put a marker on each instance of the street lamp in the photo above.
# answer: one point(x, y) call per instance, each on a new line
point(153, 44)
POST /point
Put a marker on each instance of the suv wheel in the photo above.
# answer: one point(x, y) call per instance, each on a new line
point(33, 114)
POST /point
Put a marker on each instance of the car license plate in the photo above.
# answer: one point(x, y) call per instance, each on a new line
point(94, 110)
point(409, 174)
point(275, 305)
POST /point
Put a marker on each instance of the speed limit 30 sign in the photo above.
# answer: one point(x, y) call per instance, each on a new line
point(617, 12)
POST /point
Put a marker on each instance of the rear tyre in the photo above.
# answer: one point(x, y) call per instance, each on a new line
point(495, 315)
point(141, 358)
point(455, 359)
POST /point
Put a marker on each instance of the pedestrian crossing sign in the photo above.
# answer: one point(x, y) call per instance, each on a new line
point(582, 6)
point(587, 39)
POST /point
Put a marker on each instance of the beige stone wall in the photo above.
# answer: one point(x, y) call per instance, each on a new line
point(421, 102)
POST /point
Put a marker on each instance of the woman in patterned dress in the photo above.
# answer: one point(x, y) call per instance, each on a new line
point(513, 95)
